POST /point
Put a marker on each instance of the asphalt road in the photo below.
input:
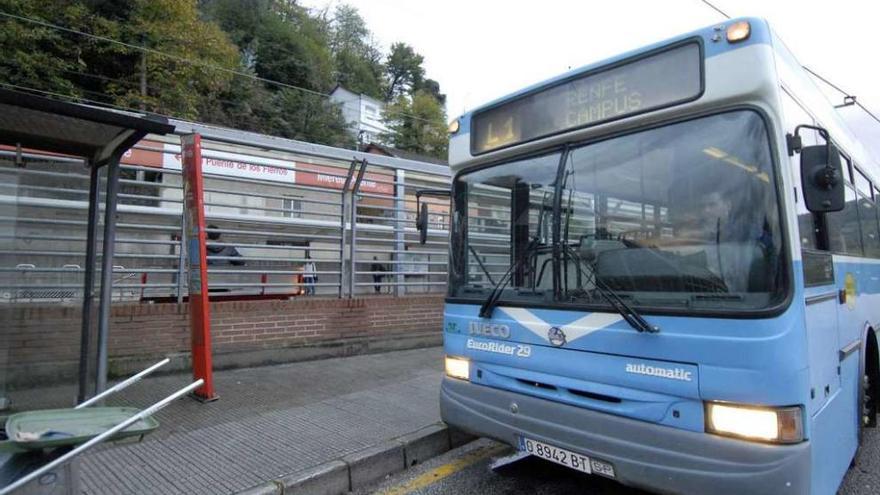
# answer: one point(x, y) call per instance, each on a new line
point(485, 467)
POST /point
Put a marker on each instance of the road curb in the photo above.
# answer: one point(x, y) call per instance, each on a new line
point(329, 478)
point(267, 488)
point(361, 468)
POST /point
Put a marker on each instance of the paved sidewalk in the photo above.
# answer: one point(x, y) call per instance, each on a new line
point(269, 422)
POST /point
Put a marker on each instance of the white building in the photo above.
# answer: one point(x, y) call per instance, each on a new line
point(362, 112)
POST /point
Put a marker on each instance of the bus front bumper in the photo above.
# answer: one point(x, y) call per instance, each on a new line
point(659, 458)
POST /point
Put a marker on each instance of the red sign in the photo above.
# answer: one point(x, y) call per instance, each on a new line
point(334, 178)
point(145, 153)
point(199, 309)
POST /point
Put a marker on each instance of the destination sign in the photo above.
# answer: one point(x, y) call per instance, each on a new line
point(659, 80)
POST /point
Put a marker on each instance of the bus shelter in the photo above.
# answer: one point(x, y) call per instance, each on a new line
point(99, 137)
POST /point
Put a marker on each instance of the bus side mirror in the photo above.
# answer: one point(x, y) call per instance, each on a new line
point(422, 223)
point(422, 210)
point(822, 179)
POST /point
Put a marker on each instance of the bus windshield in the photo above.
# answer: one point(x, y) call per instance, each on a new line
point(680, 216)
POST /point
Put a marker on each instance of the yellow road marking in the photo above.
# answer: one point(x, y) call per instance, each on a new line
point(445, 470)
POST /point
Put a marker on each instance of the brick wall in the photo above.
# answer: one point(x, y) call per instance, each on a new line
point(43, 341)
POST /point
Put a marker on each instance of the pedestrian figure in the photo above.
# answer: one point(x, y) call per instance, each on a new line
point(220, 251)
point(310, 275)
point(378, 270)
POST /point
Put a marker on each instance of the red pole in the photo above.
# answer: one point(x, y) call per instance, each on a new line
point(264, 279)
point(143, 283)
point(199, 309)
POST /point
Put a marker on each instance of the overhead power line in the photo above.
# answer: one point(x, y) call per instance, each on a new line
point(186, 60)
point(864, 109)
point(848, 97)
point(826, 81)
point(716, 9)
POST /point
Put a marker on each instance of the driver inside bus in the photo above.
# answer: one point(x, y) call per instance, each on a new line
point(734, 245)
point(700, 220)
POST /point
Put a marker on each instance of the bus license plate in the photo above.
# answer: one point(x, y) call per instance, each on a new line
point(565, 457)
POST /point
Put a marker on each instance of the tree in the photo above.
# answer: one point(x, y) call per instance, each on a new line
point(239, 19)
point(417, 123)
point(432, 87)
point(293, 50)
point(245, 104)
point(416, 118)
point(212, 60)
point(348, 30)
point(58, 61)
point(201, 57)
point(358, 61)
point(280, 41)
point(312, 118)
point(404, 71)
point(40, 57)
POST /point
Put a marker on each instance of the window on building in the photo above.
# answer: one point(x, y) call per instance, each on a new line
point(292, 207)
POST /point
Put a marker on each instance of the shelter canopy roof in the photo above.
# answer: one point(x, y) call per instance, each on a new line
point(69, 128)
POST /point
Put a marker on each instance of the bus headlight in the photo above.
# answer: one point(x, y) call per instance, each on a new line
point(738, 31)
point(458, 368)
point(454, 126)
point(779, 425)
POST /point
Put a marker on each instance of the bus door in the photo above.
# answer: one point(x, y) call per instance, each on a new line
point(821, 320)
point(821, 293)
point(830, 289)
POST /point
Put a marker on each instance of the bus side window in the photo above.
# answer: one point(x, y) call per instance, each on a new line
point(876, 250)
point(868, 215)
point(844, 232)
point(795, 115)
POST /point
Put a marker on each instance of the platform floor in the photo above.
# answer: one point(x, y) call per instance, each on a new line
point(269, 421)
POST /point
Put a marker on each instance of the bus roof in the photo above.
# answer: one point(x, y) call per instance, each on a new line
point(790, 73)
point(760, 34)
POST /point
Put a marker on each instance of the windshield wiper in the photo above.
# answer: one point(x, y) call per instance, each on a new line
point(628, 313)
point(489, 304)
point(485, 270)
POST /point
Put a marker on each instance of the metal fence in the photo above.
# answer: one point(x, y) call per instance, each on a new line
point(285, 219)
point(385, 246)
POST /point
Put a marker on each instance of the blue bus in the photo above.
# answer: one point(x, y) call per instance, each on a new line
point(665, 269)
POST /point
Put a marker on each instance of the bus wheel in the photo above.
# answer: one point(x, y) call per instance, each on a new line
point(870, 385)
point(869, 393)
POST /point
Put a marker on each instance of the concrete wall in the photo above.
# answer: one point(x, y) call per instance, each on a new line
point(43, 341)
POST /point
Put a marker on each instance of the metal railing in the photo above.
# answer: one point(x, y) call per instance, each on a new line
point(386, 256)
point(284, 219)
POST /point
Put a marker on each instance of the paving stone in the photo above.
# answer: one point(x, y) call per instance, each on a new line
point(269, 422)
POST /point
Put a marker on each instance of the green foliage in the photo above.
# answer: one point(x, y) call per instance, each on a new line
point(405, 72)
point(175, 85)
point(244, 104)
point(197, 51)
point(432, 87)
point(417, 123)
point(313, 118)
point(293, 51)
point(51, 60)
point(358, 61)
point(416, 118)
point(40, 57)
point(239, 19)
point(279, 41)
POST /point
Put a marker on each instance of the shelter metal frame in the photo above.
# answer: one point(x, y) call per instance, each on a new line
point(99, 137)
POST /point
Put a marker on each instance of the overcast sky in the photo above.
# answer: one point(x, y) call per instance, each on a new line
point(482, 49)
